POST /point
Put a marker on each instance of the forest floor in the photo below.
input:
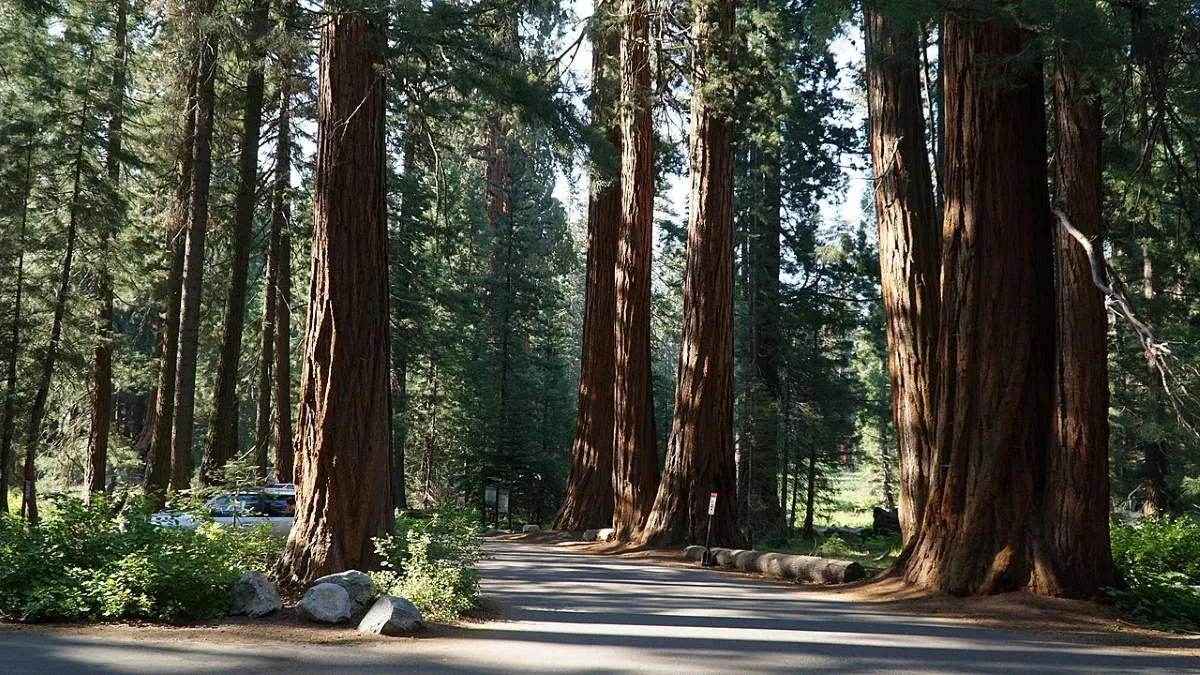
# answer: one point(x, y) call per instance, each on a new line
point(588, 608)
point(1076, 620)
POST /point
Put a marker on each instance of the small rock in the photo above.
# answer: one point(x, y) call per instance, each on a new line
point(530, 528)
point(254, 595)
point(391, 616)
point(326, 603)
point(358, 586)
point(605, 534)
point(589, 535)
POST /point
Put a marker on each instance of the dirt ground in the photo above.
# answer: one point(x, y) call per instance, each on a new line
point(1082, 621)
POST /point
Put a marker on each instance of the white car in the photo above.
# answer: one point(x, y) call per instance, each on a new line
point(274, 504)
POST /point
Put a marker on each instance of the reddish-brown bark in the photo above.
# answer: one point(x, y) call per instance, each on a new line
point(700, 456)
point(909, 248)
point(635, 457)
point(588, 502)
point(1077, 527)
point(343, 483)
point(981, 527)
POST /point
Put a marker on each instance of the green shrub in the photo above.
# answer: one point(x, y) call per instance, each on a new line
point(432, 562)
point(87, 563)
point(1159, 561)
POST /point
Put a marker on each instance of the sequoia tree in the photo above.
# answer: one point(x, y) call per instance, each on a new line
point(1077, 528)
point(909, 246)
point(342, 433)
point(588, 502)
point(700, 454)
point(635, 457)
point(994, 375)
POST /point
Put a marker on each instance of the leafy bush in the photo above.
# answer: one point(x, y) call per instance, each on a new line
point(431, 561)
point(87, 563)
point(1159, 560)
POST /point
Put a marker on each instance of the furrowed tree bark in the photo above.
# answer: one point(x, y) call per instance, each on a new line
point(222, 441)
point(1077, 515)
point(909, 248)
point(635, 456)
point(37, 413)
point(158, 459)
point(700, 457)
point(10, 384)
point(97, 456)
point(980, 530)
point(183, 428)
point(588, 502)
point(343, 486)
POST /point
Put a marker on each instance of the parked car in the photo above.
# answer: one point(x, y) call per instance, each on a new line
point(274, 504)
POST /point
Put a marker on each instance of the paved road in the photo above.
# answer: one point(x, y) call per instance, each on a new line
point(575, 613)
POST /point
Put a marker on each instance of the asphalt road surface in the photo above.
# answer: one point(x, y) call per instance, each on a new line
point(567, 612)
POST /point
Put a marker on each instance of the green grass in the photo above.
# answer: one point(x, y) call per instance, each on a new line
point(872, 552)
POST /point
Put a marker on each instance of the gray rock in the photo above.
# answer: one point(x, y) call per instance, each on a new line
point(530, 528)
point(254, 595)
point(358, 586)
point(326, 603)
point(589, 535)
point(391, 616)
point(605, 534)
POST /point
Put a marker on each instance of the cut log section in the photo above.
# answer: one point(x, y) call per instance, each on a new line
point(805, 568)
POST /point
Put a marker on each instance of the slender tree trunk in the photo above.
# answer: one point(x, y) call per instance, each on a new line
point(285, 471)
point(97, 459)
point(980, 531)
point(1154, 452)
point(635, 456)
point(343, 487)
point(401, 266)
point(37, 414)
point(909, 249)
point(810, 490)
point(700, 456)
point(588, 502)
point(1077, 513)
point(222, 442)
point(763, 511)
point(183, 427)
point(158, 459)
point(10, 384)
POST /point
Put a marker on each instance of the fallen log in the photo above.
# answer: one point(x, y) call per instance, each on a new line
point(805, 568)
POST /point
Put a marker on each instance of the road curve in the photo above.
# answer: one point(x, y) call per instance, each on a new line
point(566, 612)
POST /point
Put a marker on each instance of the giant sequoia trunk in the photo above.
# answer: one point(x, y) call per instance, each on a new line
point(635, 457)
point(981, 527)
point(343, 477)
point(588, 502)
point(10, 383)
point(102, 387)
point(1077, 515)
point(700, 457)
point(909, 248)
point(183, 427)
point(222, 441)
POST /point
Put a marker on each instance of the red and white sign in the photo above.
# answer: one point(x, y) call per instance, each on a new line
point(712, 503)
